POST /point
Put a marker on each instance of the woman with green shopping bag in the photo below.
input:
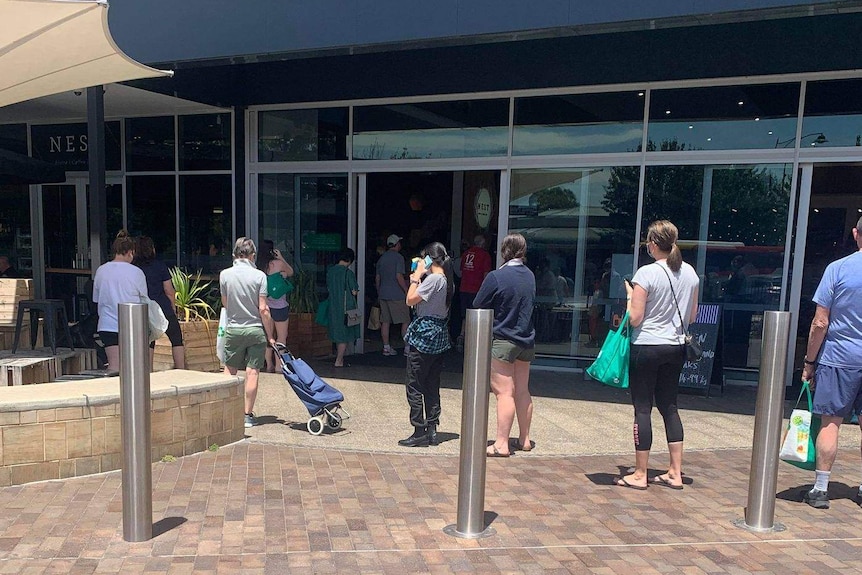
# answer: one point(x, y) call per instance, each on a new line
point(661, 296)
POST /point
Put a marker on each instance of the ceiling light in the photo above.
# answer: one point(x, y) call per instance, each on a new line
point(740, 103)
point(757, 119)
point(769, 132)
point(709, 139)
point(691, 127)
point(640, 94)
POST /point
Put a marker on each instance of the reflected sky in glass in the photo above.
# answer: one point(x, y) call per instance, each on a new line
point(723, 135)
point(427, 144)
point(577, 139)
point(839, 131)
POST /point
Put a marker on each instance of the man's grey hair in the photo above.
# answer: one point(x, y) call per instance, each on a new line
point(859, 226)
point(479, 241)
point(244, 248)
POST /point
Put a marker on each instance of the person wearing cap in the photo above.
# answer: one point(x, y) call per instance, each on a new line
point(392, 290)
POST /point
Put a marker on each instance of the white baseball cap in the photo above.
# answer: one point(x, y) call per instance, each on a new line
point(392, 240)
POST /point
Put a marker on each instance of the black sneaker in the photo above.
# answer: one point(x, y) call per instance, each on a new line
point(858, 497)
point(816, 498)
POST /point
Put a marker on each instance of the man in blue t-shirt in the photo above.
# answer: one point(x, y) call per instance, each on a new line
point(833, 360)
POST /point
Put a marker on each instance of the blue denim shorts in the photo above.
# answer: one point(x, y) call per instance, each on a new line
point(837, 391)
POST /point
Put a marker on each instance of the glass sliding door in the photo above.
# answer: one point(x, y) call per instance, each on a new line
point(579, 225)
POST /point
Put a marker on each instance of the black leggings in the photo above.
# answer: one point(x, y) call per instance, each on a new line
point(654, 373)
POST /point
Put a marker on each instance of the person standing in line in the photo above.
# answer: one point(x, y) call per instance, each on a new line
point(161, 290)
point(432, 286)
point(343, 288)
point(833, 361)
point(659, 295)
point(116, 282)
point(511, 292)
point(249, 325)
point(391, 289)
point(475, 265)
point(272, 262)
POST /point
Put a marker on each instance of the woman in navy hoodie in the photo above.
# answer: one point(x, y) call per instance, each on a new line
point(511, 292)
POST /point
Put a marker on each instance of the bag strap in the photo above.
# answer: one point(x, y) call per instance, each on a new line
point(806, 389)
point(675, 301)
point(346, 270)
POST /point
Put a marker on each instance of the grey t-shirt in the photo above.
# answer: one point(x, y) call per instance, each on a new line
point(661, 320)
point(389, 265)
point(432, 290)
point(242, 285)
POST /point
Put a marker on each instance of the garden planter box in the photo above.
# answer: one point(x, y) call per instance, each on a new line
point(305, 338)
point(199, 338)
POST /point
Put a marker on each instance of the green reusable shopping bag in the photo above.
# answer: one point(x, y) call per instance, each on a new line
point(611, 366)
point(322, 315)
point(800, 437)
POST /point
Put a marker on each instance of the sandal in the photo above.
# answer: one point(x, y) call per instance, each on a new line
point(496, 452)
point(665, 482)
point(516, 445)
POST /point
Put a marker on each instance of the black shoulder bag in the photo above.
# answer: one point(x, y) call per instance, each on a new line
point(693, 349)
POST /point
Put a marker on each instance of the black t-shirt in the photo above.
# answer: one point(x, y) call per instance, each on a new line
point(157, 273)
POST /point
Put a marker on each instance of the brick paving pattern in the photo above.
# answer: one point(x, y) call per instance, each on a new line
point(255, 507)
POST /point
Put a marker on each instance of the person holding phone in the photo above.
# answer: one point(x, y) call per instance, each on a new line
point(431, 288)
point(272, 262)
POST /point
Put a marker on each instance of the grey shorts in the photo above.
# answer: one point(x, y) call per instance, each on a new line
point(505, 350)
point(245, 347)
point(394, 311)
point(837, 391)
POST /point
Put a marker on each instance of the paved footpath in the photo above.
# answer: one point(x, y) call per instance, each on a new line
point(268, 505)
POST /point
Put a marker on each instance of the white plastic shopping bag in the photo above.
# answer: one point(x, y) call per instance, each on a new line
point(222, 324)
point(796, 441)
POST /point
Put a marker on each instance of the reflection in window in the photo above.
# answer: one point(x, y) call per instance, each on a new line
point(205, 142)
point(206, 215)
point(13, 137)
point(579, 124)
point(150, 144)
point(322, 223)
point(151, 204)
point(579, 225)
point(431, 130)
point(302, 135)
point(723, 118)
point(276, 202)
point(15, 239)
point(732, 222)
point(833, 114)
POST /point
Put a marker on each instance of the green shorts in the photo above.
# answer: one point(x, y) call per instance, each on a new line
point(505, 350)
point(245, 347)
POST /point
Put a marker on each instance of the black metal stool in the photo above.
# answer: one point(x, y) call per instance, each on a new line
point(51, 309)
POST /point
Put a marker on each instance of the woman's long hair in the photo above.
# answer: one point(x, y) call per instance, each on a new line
point(514, 246)
point(145, 251)
point(267, 247)
point(664, 235)
point(438, 254)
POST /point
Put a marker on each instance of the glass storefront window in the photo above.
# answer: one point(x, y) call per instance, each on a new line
point(833, 114)
point(67, 145)
point(579, 124)
point(150, 144)
point(151, 205)
point(470, 128)
point(302, 135)
point(580, 227)
point(322, 224)
point(15, 237)
point(205, 142)
point(13, 138)
point(206, 232)
point(732, 223)
point(723, 118)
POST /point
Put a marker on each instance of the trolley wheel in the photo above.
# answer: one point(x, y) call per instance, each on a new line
point(315, 426)
point(334, 420)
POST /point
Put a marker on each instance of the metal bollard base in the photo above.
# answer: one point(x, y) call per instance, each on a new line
point(453, 531)
point(776, 528)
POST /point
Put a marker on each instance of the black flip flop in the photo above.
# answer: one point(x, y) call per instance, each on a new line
point(621, 482)
point(496, 453)
point(657, 480)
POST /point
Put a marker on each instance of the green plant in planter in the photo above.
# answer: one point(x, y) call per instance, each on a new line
point(303, 298)
point(191, 291)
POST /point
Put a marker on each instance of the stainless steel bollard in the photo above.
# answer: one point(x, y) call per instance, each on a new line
point(768, 418)
point(470, 523)
point(137, 475)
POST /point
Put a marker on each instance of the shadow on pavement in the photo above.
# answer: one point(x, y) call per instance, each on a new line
point(164, 525)
point(837, 490)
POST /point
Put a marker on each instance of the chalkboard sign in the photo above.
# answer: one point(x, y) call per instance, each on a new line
point(696, 374)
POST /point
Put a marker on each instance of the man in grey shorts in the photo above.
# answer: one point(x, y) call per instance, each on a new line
point(249, 326)
point(833, 361)
point(392, 292)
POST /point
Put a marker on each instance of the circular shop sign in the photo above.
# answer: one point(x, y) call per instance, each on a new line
point(483, 208)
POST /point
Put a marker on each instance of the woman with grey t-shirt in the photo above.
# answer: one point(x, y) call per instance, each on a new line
point(659, 295)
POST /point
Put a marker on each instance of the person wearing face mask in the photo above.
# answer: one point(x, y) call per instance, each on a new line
point(116, 282)
point(431, 288)
point(659, 295)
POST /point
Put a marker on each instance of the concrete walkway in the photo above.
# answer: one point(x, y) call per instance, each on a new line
point(283, 501)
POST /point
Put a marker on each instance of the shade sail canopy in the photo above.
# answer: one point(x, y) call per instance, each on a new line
point(51, 46)
point(20, 169)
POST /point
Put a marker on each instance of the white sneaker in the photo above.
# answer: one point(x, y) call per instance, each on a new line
point(406, 350)
point(389, 351)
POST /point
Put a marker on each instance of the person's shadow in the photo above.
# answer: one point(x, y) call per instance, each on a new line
point(837, 490)
point(623, 470)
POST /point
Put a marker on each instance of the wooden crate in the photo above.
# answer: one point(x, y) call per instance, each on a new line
point(29, 370)
point(74, 362)
point(7, 335)
point(11, 292)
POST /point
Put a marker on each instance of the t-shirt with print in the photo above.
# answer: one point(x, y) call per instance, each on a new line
point(116, 283)
point(475, 265)
point(432, 290)
point(661, 319)
point(242, 285)
point(390, 264)
point(840, 291)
